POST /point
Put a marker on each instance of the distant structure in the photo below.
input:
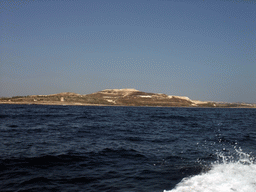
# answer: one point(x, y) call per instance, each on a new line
point(62, 99)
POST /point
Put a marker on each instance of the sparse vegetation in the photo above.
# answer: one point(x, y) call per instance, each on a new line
point(116, 97)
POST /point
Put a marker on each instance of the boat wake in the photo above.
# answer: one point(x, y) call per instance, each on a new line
point(229, 173)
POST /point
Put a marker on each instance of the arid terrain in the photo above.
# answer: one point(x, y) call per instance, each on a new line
point(118, 97)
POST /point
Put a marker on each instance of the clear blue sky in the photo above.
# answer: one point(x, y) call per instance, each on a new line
point(203, 49)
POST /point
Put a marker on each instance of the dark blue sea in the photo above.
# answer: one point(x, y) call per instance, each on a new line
point(91, 148)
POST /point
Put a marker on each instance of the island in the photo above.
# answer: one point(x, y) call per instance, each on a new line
point(119, 97)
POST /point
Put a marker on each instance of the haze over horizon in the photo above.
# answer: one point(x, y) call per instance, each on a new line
point(202, 49)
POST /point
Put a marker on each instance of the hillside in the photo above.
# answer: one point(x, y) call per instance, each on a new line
point(117, 97)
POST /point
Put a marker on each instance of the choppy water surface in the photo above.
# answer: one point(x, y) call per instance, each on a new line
point(80, 148)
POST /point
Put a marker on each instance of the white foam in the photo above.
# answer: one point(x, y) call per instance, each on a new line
point(233, 176)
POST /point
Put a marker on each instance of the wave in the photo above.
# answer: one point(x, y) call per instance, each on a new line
point(227, 174)
point(61, 159)
point(121, 153)
point(172, 117)
point(3, 116)
point(42, 161)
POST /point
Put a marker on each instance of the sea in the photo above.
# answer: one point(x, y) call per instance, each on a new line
point(130, 149)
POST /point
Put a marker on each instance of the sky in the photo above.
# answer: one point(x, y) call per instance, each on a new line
point(202, 49)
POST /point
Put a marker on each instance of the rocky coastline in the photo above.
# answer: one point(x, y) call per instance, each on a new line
point(119, 97)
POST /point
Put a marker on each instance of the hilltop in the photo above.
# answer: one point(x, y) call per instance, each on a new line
point(118, 97)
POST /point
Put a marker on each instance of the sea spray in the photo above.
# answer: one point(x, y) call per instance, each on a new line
point(228, 174)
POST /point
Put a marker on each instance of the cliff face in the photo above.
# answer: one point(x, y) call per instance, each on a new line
point(117, 97)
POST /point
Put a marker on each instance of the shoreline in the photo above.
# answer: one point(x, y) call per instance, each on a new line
point(52, 103)
point(104, 105)
point(119, 97)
